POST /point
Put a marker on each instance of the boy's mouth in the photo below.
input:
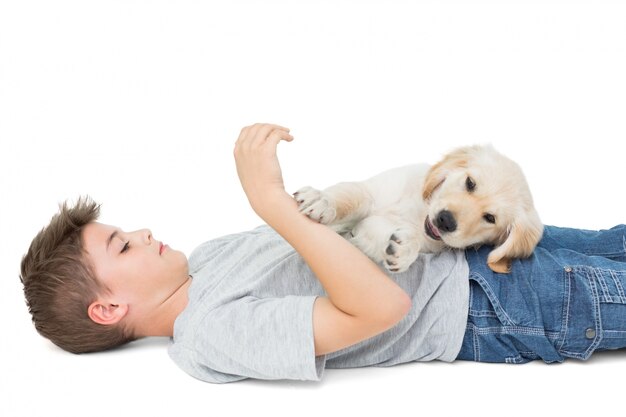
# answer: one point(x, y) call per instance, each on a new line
point(162, 248)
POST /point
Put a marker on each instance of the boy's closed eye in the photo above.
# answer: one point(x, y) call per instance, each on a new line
point(125, 247)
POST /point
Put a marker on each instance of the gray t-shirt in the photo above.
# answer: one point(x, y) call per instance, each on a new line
point(250, 313)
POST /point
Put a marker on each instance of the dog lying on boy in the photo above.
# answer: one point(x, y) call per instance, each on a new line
point(473, 196)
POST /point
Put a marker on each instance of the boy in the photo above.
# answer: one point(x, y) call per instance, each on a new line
point(290, 300)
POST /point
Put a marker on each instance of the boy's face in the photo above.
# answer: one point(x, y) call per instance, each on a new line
point(140, 272)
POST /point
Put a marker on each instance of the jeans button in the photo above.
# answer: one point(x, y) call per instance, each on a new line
point(568, 269)
point(590, 333)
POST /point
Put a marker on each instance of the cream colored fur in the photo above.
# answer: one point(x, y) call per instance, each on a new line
point(387, 215)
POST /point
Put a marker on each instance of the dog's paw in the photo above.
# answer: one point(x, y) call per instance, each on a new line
point(400, 252)
point(315, 204)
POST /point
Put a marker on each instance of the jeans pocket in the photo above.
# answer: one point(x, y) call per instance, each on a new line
point(484, 303)
point(586, 288)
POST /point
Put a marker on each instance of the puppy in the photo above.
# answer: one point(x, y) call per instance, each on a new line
point(473, 196)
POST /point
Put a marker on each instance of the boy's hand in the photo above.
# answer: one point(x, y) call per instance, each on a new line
point(258, 167)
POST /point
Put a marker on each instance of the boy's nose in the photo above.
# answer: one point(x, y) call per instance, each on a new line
point(147, 236)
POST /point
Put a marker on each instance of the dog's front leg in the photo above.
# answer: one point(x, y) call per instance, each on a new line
point(340, 206)
point(402, 248)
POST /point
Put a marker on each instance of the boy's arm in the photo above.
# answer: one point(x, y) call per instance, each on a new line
point(362, 300)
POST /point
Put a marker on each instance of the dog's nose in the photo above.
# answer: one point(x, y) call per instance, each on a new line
point(445, 221)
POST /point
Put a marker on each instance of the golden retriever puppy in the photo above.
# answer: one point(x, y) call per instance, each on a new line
point(473, 196)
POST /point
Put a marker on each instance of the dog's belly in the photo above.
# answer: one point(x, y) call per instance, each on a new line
point(394, 188)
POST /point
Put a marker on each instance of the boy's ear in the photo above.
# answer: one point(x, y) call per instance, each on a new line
point(105, 313)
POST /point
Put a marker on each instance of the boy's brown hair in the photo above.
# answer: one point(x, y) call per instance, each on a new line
point(60, 284)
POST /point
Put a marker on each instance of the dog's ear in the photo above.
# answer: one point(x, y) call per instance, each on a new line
point(520, 242)
point(438, 172)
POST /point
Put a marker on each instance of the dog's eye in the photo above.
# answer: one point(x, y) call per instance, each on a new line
point(470, 184)
point(490, 218)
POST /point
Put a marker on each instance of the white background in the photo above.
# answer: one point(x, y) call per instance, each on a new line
point(138, 104)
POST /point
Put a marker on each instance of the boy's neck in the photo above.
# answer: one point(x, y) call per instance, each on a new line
point(161, 322)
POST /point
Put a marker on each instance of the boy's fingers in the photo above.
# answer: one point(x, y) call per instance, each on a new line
point(261, 127)
point(258, 133)
point(275, 126)
point(276, 136)
point(265, 130)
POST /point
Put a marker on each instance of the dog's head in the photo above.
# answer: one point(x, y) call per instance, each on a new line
point(478, 196)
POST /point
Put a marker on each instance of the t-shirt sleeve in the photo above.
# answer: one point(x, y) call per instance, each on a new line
point(263, 338)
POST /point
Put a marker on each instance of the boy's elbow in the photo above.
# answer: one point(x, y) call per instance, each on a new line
point(404, 305)
point(396, 309)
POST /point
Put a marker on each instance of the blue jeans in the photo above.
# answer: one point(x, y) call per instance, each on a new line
point(567, 300)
